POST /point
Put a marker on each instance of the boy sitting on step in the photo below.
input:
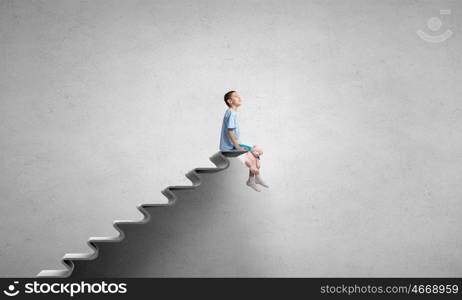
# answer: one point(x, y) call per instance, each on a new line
point(229, 139)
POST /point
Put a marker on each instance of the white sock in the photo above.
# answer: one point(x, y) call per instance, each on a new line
point(259, 180)
point(251, 182)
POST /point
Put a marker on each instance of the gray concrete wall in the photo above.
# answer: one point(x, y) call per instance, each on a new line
point(105, 103)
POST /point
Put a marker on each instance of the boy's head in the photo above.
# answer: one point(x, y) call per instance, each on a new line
point(232, 99)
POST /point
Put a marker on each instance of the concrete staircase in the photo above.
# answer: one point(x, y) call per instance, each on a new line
point(154, 245)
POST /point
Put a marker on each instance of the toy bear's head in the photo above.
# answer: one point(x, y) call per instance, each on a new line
point(256, 151)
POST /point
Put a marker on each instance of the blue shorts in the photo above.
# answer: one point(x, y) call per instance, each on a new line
point(242, 145)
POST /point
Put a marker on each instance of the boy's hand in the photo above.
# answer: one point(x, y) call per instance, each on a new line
point(239, 148)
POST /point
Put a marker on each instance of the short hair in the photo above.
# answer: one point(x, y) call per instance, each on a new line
point(227, 96)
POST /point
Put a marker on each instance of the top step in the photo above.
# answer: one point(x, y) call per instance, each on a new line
point(233, 153)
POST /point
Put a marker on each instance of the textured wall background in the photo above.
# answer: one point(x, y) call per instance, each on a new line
point(105, 103)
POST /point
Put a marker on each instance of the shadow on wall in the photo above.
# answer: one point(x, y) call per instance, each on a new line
point(210, 231)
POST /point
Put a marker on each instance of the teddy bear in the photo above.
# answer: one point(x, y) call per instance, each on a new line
point(252, 159)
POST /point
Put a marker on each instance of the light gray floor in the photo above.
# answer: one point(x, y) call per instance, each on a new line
point(224, 229)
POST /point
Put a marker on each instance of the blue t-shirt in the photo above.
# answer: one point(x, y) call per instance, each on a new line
point(229, 121)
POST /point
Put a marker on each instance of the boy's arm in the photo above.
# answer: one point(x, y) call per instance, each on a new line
point(230, 134)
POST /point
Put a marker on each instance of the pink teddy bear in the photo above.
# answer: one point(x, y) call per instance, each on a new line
point(252, 161)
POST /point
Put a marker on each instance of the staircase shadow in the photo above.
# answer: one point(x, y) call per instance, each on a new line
point(207, 232)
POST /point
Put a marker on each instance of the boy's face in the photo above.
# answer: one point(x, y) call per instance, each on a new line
point(235, 100)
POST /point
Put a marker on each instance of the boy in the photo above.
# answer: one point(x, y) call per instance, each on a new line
point(229, 139)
